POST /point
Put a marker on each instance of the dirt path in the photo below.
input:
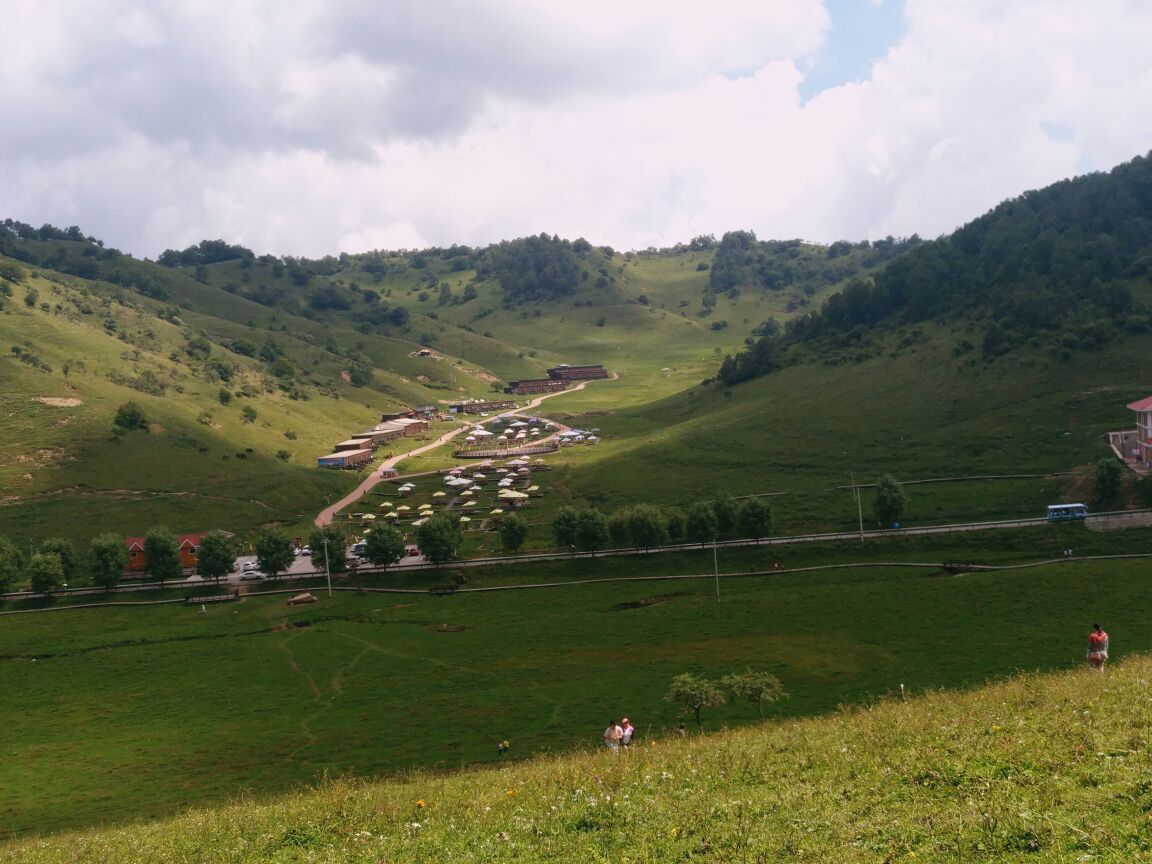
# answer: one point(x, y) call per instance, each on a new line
point(377, 475)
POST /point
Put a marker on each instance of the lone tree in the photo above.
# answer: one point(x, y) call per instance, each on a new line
point(108, 559)
point(45, 572)
point(384, 546)
point(889, 501)
point(513, 533)
point(694, 692)
point(1108, 482)
point(756, 687)
point(329, 547)
point(162, 554)
point(439, 538)
point(215, 557)
point(274, 553)
point(130, 416)
point(11, 563)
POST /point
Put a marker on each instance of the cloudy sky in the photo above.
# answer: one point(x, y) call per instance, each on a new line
point(309, 127)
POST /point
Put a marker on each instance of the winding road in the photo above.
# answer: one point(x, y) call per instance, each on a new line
point(377, 476)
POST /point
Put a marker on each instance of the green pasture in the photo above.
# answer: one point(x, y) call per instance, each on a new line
point(114, 714)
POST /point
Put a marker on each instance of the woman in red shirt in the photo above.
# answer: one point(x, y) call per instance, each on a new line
point(1097, 647)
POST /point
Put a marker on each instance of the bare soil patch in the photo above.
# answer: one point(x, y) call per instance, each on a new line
point(58, 401)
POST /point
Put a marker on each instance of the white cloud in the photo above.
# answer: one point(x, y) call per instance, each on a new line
point(310, 128)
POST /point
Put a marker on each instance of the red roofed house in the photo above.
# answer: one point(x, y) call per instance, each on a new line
point(138, 561)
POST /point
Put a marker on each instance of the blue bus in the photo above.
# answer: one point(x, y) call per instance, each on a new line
point(1067, 512)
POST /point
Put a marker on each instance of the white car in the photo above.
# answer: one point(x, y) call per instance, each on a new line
point(249, 566)
point(252, 575)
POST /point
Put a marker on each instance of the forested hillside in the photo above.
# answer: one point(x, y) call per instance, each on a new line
point(1066, 267)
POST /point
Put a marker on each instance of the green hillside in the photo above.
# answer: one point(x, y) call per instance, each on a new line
point(1042, 768)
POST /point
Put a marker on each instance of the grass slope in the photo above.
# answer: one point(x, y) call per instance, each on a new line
point(917, 412)
point(132, 712)
point(1039, 768)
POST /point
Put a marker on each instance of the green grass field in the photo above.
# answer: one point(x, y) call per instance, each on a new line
point(1041, 768)
point(115, 714)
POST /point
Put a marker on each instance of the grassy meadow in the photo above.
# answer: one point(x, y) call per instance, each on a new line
point(1038, 768)
point(118, 713)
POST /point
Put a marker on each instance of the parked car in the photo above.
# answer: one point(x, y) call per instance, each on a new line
point(252, 575)
point(305, 550)
point(249, 566)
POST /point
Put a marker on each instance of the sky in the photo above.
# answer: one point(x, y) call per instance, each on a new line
point(313, 127)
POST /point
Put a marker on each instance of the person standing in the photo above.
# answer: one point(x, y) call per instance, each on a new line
point(612, 736)
point(626, 733)
point(1097, 647)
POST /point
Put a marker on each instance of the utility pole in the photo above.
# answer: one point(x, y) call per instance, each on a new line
point(859, 510)
point(716, 569)
point(327, 567)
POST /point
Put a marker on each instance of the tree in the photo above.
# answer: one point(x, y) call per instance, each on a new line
point(513, 533)
point(108, 557)
point(384, 546)
point(700, 526)
point(274, 553)
point(675, 524)
point(724, 506)
point(889, 501)
point(756, 687)
point(754, 518)
point(329, 547)
point(439, 538)
point(162, 554)
point(695, 693)
point(248, 414)
point(618, 527)
point(1108, 482)
point(11, 563)
point(130, 416)
point(564, 527)
point(45, 572)
point(591, 530)
point(215, 557)
point(646, 526)
point(69, 562)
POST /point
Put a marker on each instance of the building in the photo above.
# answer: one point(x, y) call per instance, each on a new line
point(411, 426)
point(345, 459)
point(535, 385)
point(388, 432)
point(350, 444)
point(479, 407)
point(138, 560)
point(565, 372)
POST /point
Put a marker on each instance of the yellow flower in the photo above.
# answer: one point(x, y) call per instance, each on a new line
point(420, 804)
point(674, 832)
point(510, 792)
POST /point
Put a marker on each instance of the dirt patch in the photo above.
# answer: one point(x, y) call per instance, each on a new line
point(645, 602)
point(423, 379)
point(449, 628)
point(42, 457)
point(58, 401)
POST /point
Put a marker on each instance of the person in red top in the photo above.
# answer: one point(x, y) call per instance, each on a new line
point(1097, 647)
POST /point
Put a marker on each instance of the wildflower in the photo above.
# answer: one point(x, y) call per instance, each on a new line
point(420, 804)
point(510, 793)
point(674, 831)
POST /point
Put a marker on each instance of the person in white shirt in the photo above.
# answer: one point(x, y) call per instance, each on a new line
point(626, 732)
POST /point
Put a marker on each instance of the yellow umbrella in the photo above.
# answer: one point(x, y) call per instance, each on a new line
point(438, 494)
point(403, 507)
point(496, 512)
